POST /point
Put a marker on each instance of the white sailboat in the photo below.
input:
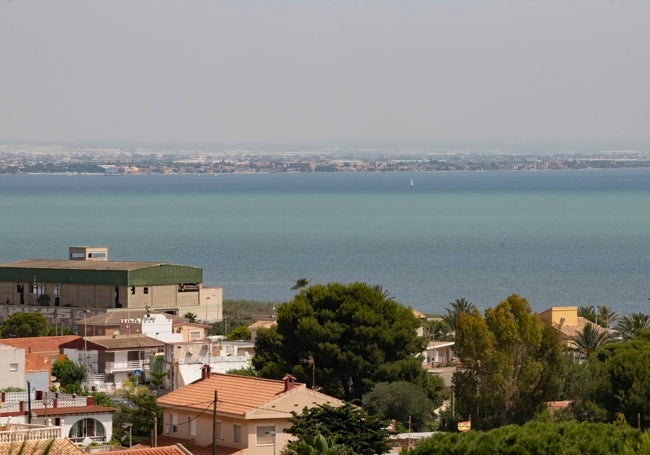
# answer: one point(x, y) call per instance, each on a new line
point(411, 184)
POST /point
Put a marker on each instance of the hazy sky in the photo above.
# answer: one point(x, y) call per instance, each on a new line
point(304, 70)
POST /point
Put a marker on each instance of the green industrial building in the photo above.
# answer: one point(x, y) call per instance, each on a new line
point(88, 280)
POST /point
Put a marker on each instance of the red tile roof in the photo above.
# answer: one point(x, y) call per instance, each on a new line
point(39, 351)
point(39, 344)
point(196, 450)
point(237, 395)
point(58, 447)
point(176, 449)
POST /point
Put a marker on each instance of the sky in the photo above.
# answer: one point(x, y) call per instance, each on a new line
point(307, 70)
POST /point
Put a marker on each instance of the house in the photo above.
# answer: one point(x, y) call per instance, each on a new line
point(39, 355)
point(261, 324)
point(187, 359)
point(70, 416)
point(250, 416)
point(567, 322)
point(88, 280)
point(12, 366)
point(438, 353)
point(112, 359)
point(139, 320)
point(34, 440)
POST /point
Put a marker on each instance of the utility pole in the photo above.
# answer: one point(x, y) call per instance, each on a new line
point(214, 425)
point(155, 429)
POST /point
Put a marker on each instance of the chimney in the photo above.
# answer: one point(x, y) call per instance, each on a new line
point(205, 372)
point(289, 382)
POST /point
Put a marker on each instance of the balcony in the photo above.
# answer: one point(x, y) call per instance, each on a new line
point(16, 432)
point(129, 365)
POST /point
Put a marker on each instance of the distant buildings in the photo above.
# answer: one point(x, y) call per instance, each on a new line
point(63, 290)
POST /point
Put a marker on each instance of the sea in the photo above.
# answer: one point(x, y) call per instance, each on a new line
point(554, 237)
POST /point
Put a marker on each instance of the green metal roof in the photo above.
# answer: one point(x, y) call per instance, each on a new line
point(117, 273)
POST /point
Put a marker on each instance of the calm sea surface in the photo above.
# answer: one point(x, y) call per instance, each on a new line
point(556, 238)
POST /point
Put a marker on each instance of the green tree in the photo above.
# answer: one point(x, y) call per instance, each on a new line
point(350, 331)
point(300, 283)
point(403, 402)
point(589, 339)
point(317, 445)
point(138, 408)
point(438, 329)
point(70, 375)
point(347, 425)
point(157, 379)
point(239, 333)
point(606, 317)
point(624, 385)
point(22, 325)
point(587, 312)
point(456, 308)
point(631, 324)
point(191, 317)
point(564, 438)
point(512, 364)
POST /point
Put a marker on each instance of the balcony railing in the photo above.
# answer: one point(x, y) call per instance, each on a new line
point(130, 365)
point(16, 432)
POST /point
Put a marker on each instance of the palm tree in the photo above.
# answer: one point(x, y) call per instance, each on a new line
point(587, 312)
point(629, 325)
point(300, 283)
point(317, 445)
point(457, 307)
point(191, 317)
point(589, 340)
point(606, 316)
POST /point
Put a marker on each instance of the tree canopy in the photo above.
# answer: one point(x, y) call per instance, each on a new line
point(623, 382)
point(354, 333)
point(564, 438)
point(346, 426)
point(22, 325)
point(70, 375)
point(138, 407)
point(403, 402)
point(512, 364)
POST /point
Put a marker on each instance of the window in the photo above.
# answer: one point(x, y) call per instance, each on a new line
point(218, 433)
point(146, 290)
point(192, 425)
point(265, 435)
point(195, 335)
point(236, 433)
point(13, 367)
point(174, 423)
point(87, 428)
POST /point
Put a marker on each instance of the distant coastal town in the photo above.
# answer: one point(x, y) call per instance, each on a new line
point(67, 159)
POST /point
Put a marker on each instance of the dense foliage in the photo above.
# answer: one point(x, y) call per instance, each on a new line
point(617, 380)
point(70, 375)
point(347, 337)
point(403, 402)
point(347, 426)
point(564, 438)
point(22, 325)
point(512, 364)
point(136, 406)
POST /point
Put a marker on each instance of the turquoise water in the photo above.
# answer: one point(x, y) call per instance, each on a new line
point(556, 238)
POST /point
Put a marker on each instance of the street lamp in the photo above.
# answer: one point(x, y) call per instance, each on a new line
point(129, 426)
point(86, 345)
